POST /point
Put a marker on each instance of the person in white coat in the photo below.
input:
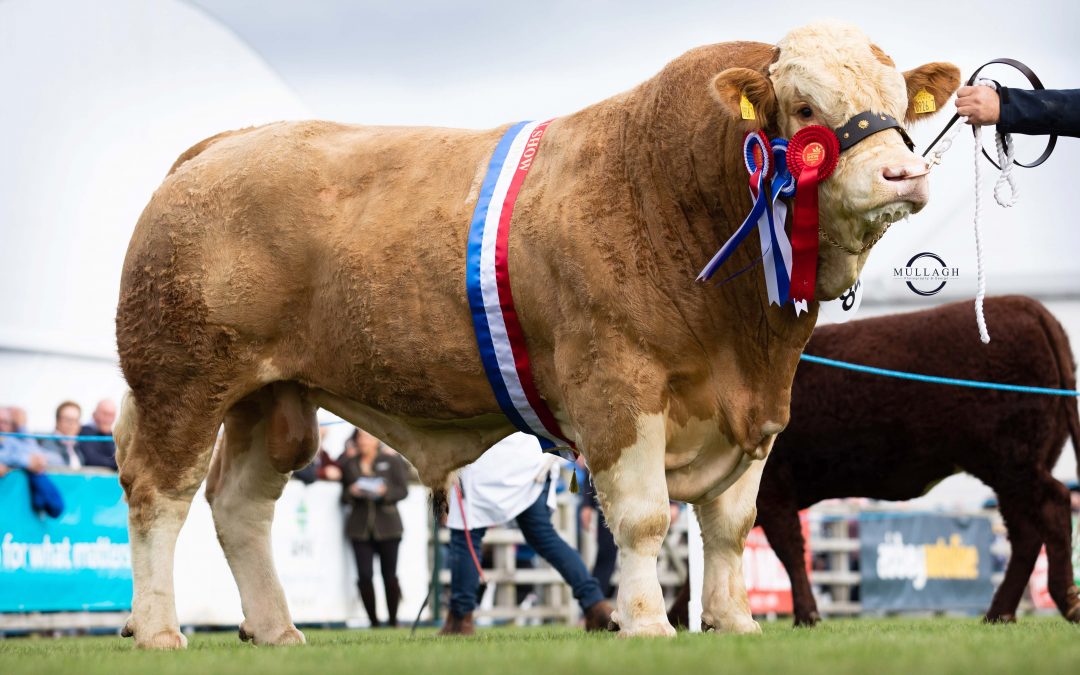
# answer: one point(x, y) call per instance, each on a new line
point(511, 481)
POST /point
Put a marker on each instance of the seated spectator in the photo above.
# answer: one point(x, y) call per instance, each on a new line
point(18, 418)
point(63, 452)
point(99, 453)
point(18, 453)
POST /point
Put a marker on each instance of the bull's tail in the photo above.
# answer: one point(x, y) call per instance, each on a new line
point(1059, 342)
point(125, 428)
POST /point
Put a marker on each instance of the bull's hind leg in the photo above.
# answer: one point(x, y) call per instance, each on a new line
point(633, 493)
point(725, 522)
point(267, 436)
point(1056, 521)
point(163, 459)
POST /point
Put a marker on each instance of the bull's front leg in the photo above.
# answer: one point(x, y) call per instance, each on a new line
point(633, 492)
point(725, 522)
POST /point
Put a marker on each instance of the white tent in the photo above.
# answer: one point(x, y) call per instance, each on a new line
point(99, 100)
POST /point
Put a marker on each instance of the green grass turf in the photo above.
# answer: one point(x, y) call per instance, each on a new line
point(910, 646)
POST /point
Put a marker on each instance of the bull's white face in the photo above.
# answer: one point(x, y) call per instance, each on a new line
point(825, 74)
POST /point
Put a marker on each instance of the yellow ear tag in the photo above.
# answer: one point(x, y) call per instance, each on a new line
point(747, 108)
point(924, 102)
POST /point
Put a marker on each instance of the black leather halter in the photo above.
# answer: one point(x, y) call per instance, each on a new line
point(1036, 83)
point(866, 124)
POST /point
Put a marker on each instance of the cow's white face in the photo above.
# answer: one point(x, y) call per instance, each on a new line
point(826, 74)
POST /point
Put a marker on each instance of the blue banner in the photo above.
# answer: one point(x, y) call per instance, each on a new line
point(79, 561)
point(925, 562)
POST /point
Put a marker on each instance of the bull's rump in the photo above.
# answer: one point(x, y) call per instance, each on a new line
point(324, 253)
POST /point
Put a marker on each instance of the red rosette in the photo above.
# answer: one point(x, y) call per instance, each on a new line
point(814, 146)
point(812, 155)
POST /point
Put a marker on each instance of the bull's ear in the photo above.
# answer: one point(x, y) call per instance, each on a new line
point(938, 79)
point(731, 85)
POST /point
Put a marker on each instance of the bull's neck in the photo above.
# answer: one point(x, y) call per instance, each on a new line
point(681, 155)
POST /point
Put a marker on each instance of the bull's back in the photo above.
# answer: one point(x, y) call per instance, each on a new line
point(324, 253)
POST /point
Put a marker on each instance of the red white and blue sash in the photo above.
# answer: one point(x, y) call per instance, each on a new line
point(498, 331)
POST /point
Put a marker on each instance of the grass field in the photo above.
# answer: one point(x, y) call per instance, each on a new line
point(910, 646)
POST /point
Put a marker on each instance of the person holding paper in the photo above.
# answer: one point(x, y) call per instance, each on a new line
point(374, 480)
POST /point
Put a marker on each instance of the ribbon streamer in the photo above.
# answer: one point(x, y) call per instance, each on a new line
point(812, 156)
point(757, 158)
point(775, 246)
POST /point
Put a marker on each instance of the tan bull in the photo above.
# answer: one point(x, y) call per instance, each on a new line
point(295, 266)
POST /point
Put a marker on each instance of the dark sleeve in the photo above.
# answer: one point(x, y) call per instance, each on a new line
point(1044, 111)
point(346, 480)
point(305, 475)
point(397, 484)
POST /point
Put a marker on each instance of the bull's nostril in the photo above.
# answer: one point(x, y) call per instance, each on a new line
point(896, 174)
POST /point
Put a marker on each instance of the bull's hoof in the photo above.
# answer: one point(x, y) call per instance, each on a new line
point(613, 622)
point(1074, 614)
point(649, 630)
point(999, 618)
point(808, 620)
point(283, 638)
point(290, 637)
point(166, 639)
point(742, 625)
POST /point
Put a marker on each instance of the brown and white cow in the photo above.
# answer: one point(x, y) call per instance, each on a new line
point(295, 266)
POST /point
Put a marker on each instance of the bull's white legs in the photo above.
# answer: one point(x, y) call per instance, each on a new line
point(633, 493)
point(725, 522)
point(242, 491)
point(153, 620)
point(159, 484)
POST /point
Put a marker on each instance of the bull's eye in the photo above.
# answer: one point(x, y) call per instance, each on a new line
point(805, 112)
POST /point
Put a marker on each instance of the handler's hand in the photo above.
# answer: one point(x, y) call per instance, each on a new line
point(38, 463)
point(979, 104)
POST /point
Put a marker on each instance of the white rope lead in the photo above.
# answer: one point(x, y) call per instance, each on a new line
point(980, 317)
point(1005, 161)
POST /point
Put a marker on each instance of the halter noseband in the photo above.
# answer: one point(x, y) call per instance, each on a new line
point(866, 124)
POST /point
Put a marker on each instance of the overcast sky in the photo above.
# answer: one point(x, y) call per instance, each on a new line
point(474, 63)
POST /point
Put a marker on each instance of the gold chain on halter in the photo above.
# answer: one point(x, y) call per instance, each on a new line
point(847, 249)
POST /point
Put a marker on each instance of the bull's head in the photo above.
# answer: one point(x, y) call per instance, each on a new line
point(827, 74)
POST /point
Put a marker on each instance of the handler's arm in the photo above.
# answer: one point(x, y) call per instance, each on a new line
point(1043, 111)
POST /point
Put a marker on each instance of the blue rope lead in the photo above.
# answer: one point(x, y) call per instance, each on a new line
point(821, 360)
point(58, 437)
point(55, 437)
point(899, 374)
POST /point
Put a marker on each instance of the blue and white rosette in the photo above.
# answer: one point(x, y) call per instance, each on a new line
point(758, 160)
point(775, 245)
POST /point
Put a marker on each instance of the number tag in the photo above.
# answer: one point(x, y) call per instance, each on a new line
point(845, 307)
point(924, 102)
